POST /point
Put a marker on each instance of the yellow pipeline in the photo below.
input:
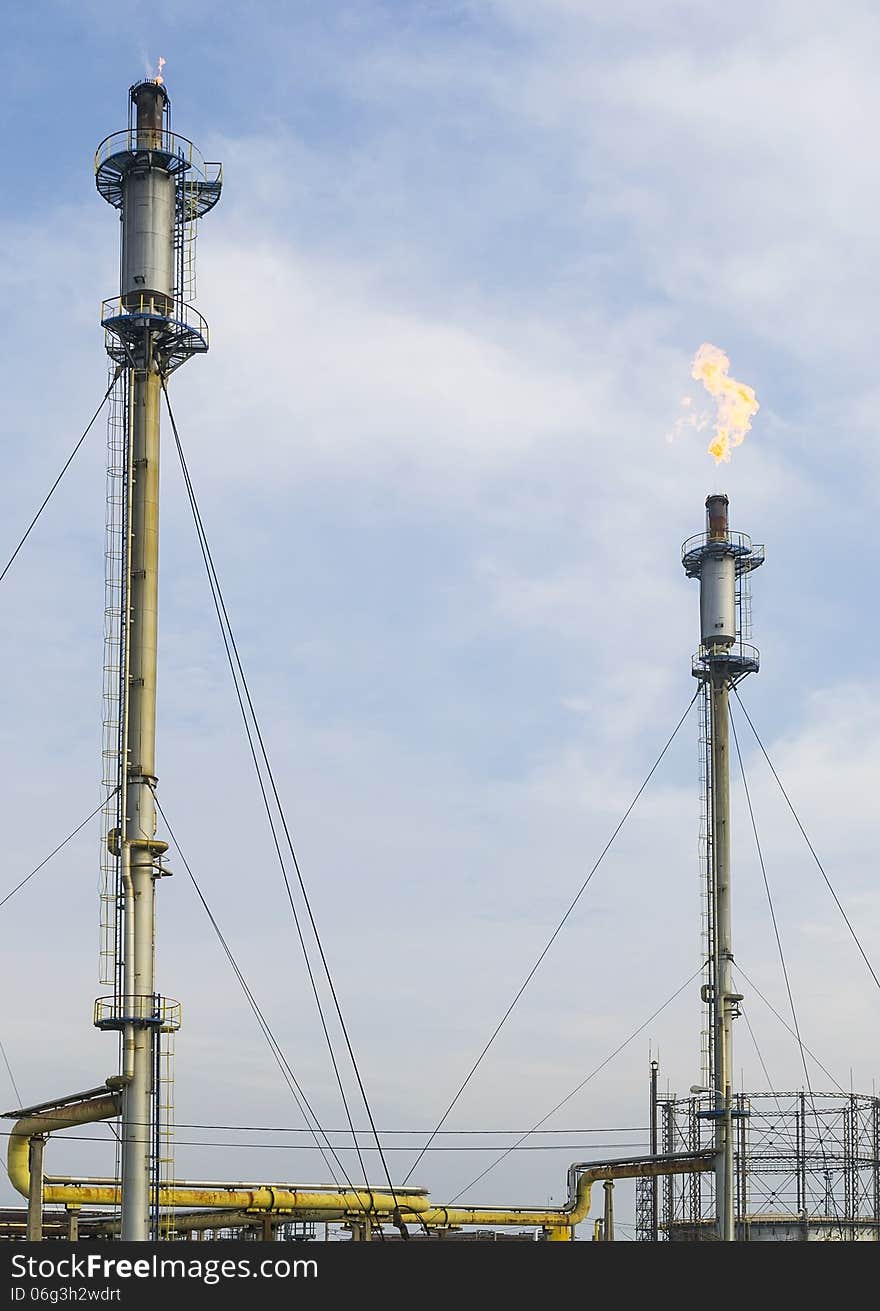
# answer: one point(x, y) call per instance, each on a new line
point(319, 1204)
point(298, 1203)
point(561, 1222)
point(87, 1111)
point(305, 1203)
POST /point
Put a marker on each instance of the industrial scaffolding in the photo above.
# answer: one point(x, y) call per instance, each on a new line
point(806, 1168)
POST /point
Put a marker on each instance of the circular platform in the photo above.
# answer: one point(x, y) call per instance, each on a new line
point(174, 339)
point(199, 183)
point(697, 549)
point(144, 1012)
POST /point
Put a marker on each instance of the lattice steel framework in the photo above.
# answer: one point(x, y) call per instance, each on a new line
point(807, 1167)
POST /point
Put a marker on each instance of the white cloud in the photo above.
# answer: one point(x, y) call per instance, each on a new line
point(448, 341)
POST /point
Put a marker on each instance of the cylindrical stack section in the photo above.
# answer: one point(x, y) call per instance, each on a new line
point(148, 203)
point(150, 100)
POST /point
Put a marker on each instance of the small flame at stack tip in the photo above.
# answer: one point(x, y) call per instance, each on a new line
point(159, 79)
point(735, 402)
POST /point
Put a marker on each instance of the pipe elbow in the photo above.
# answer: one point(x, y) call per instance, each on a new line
point(45, 1122)
point(17, 1166)
point(579, 1208)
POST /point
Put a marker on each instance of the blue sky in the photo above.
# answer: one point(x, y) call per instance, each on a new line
point(463, 259)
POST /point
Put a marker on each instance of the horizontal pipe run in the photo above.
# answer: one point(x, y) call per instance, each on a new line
point(186, 1222)
point(581, 1178)
point(409, 1205)
point(89, 1095)
point(298, 1203)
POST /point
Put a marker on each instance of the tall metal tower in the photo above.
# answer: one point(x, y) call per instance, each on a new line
point(722, 560)
point(161, 187)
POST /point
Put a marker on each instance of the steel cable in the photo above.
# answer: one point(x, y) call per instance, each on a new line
point(583, 1083)
point(781, 953)
point(293, 1084)
point(252, 729)
point(64, 469)
point(60, 847)
point(554, 935)
point(812, 849)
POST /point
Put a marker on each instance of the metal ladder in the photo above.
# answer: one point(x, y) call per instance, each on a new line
point(707, 901)
point(115, 617)
point(185, 232)
point(162, 1157)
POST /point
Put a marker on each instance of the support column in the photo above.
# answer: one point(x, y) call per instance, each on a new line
point(139, 832)
point(72, 1224)
point(724, 997)
point(609, 1211)
point(35, 1189)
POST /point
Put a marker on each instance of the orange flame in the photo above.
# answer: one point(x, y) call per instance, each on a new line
point(159, 79)
point(735, 403)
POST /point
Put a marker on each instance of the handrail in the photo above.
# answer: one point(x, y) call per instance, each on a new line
point(170, 144)
point(152, 305)
point(738, 541)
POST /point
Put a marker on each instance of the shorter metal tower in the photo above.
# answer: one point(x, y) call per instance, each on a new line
point(648, 1189)
point(722, 560)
